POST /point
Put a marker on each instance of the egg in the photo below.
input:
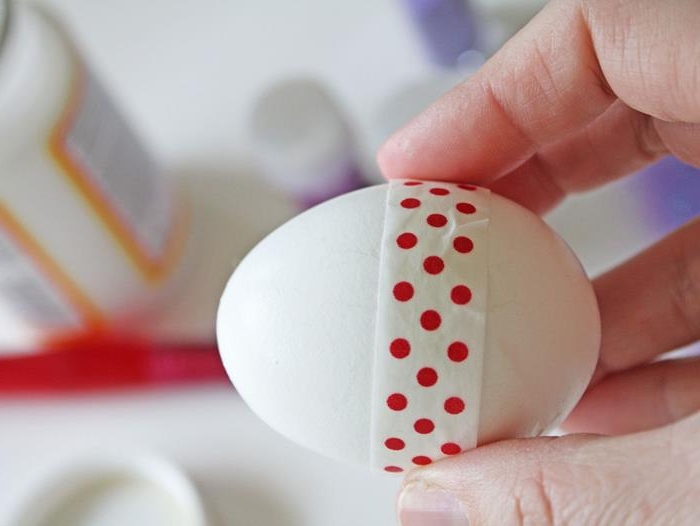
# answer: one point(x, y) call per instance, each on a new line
point(410, 321)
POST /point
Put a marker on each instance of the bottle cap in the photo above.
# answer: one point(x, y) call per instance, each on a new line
point(113, 489)
point(301, 139)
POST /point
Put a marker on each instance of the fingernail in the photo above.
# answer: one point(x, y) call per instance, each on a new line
point(430, 507)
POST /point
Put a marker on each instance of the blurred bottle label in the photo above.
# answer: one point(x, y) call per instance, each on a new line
point(93, 234)
point(99, 157)
point(99, 153)
point(30, 282)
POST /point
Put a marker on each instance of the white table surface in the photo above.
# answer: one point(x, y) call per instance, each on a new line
point(186, 72)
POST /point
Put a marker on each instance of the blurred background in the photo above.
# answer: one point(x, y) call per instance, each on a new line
point(253, 110)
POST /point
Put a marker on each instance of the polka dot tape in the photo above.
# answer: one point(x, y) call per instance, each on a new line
point(431, 322)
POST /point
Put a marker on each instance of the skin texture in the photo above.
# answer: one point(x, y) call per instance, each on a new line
point(588, 92)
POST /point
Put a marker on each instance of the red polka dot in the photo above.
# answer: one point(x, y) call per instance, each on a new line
point(395, 444)
point(421, 460)
point(403, 291)
point(430, 320)
point(461, 294)
point(427, 377)
point(439, 191)
point(437, 220)
point(454, 405)
point(412, 183)
point(465, 208)
point(424, 426)
point(469, 187)
point(411, 203)
point(407, 240)
point(393, 469)
point(397, 402)
point(433, 265)
point(462, 244)
point(457, 352)
point(400, 348)
point(450, 448)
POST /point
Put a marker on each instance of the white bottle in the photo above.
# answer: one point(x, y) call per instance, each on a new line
point(303, 143)
point(91, 233)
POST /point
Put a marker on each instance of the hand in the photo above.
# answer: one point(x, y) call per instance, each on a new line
point(589, 91)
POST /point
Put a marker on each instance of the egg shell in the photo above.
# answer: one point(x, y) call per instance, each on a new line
point(296, 325)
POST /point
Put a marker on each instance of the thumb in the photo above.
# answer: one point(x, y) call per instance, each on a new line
point(648, 478)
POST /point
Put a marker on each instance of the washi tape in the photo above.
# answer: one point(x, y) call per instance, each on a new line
point(431, 323)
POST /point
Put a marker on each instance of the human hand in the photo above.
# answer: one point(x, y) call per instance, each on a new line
point(589, 91)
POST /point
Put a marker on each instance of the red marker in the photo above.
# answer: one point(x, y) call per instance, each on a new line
point(110, 363)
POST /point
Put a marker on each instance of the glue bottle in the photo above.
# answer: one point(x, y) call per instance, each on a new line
point(92, 235)
point(303, 142)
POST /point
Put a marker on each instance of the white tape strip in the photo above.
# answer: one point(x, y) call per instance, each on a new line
point(431, 323)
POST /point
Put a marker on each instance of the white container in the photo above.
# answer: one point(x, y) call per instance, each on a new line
point(303, 143)
point(108, 489)
point(91, 233)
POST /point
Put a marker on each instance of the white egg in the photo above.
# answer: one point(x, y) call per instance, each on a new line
point(297, 325)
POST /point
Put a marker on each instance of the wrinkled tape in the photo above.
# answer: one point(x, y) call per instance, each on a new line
point(431, 323)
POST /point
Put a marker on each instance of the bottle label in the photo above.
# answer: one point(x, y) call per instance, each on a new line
point(101, 156)
point(98, 157)
point(37, 289)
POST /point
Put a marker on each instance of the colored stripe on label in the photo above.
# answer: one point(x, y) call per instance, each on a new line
point(100, 156)
point(48, 269)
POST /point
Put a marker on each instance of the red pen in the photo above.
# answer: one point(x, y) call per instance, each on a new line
point(110, 363)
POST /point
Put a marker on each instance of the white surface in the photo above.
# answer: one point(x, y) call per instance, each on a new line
point(297, 325)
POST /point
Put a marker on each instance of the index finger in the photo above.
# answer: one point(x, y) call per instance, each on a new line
point(544, 84)
point(549, 97)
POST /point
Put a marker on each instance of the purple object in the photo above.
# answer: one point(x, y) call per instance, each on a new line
point(670, 193)
point(351, 179)
point(303, 142)
point(448, 28)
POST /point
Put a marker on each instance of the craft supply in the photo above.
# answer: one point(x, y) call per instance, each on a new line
point(302, 142)
point(91, 233)
point(108, 364)
point(407, 322)
point(112, 488)
point(448, 28)
point(669, 194)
